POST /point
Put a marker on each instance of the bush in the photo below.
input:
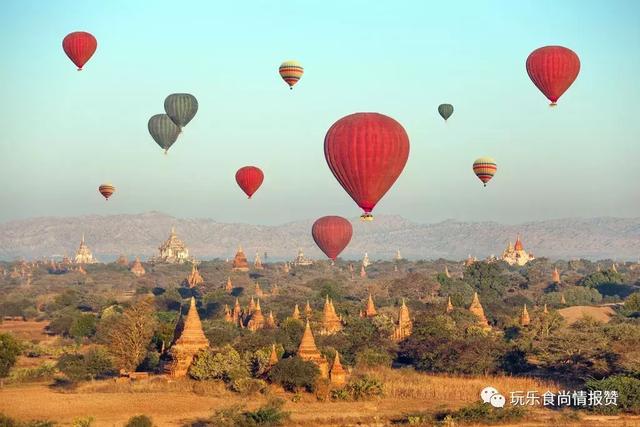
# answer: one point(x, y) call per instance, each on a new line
point(96, 363)
point(83, 422)
point(9, 350)
point(46, 370)
point(483, 413)
point(226, 365)
point(370, 358)
point(248, 386)
point(139, 421)
point(628, 389)
point(269, 415)
point(294, 373)
point(364, 388)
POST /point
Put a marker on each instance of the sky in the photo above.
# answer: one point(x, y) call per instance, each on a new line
point(65, 131)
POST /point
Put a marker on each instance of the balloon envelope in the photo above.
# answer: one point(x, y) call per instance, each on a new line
point(106, 190)
point(332, 234)
point(291, 71)
point(445, 110)
point(485, 168)
point(366, 153)
point(181, 107)
point(249, 178)
point(553, 69)
point(79, 47)
point(163, 130)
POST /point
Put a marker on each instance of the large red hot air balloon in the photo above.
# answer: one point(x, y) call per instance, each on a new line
point(332, 234)
point(249, 178)
point(366, 153)
point(79, 47)
point(553, 69)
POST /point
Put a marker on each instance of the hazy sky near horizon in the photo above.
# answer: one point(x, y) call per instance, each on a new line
point(65, 132)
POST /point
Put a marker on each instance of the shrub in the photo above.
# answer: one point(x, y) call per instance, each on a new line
point(248, 386)
point(370, 358)
point(46, 370)
point(73, 366)
point(226, 365)
point(339, 394)
point(139, 421)
point(96, 363)
point(9, 350)
point(294, 373)
point(364, 388)
point(269, 415)
point(83, 422)
point(483, 413)
point(628, 389)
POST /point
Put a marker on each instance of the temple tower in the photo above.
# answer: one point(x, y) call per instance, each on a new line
point(476, 308)
point(309, 352)
point(190, 341)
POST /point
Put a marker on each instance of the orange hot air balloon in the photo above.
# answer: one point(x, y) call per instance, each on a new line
point(332, 234)
point(107, 190)
point(249, 178)
point(485, 168)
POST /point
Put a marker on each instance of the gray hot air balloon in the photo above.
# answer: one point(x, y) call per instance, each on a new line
point(163, 131)
point(181, 107)
point(445, 110)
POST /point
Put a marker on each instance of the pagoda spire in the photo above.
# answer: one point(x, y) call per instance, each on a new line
point(524, 317)
point(337, 375)
point(476, 308)
point(273, 357)
point(370, 309)
point(307, 310)
point(296, 312)
point(449, 305)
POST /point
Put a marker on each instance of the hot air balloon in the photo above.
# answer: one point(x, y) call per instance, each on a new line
point(291, 71)
point(79, 47)
point(163, 131)
point(485, 168)
point(332, 234)
point(366, 153)
point(553, 69)
point(445, 110)
point(181, 107)
point(249, 178)
point(107, 189)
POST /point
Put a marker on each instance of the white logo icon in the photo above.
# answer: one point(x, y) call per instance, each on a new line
point(492, 395)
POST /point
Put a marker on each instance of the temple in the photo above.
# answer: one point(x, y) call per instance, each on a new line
point(257, 263)
point(229, 286)
point(470, 261)
point(405, 326)
point(337, 375)
point(137, 269)
point(190, 341)
point(309, 352)
point(173, 250)
point(301, 260)
point(476, 308)
point(363, 272)
point(398, 256)
point(307, 310)
point(365, 261)
point(240, 261)
point(296, 313)
point(555, 276)
point(449, 306)
point(258, 291)
point(515, 254)
point(83, 254)
point(370, 308)
point(122, 260)
point(330, 321)
point(256, 320)
point(525, 320)
point(271, 321)
point(194, 279)
point(446, 272)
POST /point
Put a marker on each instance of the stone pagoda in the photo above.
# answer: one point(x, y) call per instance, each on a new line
point(257, 262)
point(449, 306)
point(365, 261)
point(190, 340)
point(446, 272)
point(470, 261)
point(476, 308)
point(122, 260)
point(256, 320)
point(309, 352)
point(173, 250)
point(240, 261)
point(301, 260)
point(330, 321)
point(307, 310)
point(405, 325)
point(83, 254)
point(271, 321)
point(229, 286)
point(363, 272)
point(525, 320)
point(137, 269)
point(369, 309)
point(555, 276)
point(337, 375)
point(515, 254)
point(258, 291)
point(194, 279)
point(398, 256)
point(296, 313)
point(273, 357)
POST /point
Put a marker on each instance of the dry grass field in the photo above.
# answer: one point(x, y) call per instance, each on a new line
point(176, 403)
point(28, 330)
point(573, 314)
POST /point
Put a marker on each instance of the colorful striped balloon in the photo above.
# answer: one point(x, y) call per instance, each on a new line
point(181, 107)
point(485, 168)
point(106, 189)
point(291, 71)
point(79, 47)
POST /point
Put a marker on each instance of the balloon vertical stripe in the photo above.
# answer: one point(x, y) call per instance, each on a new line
point(181, 107)
point(553, 69)
point(163, 130)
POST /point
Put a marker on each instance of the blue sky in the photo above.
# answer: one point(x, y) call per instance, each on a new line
point(65, 132)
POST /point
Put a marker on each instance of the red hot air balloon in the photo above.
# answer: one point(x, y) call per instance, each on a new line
point(366, 153)
point(332, 234)
point(79, 47)
point(249, 178)
point(553, 69)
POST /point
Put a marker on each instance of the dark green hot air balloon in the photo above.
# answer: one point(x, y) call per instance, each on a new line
point(163, 131)
point(181, 107)
point(445, 110)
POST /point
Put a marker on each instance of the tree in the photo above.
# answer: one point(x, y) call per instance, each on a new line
point(83, 325)
point(293, 373)
point(226, 365)
point(10, 349)
point(130, 334)
point(598, 278)
point(632, 305)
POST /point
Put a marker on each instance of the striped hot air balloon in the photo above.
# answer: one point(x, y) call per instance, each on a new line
point(106, 189)
point(485, 168)
point(79, 47)
point(163, 131)
point(181, 107)
point(291, 71)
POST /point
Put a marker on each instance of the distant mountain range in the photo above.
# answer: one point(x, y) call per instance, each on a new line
point(141, 234)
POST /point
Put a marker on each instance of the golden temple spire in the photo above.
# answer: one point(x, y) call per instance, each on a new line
point(524, 317)
point(337, 375)
point(449, 305)
point(296, 312)
point(476, 308)
point(370, 309)
point(273, 357)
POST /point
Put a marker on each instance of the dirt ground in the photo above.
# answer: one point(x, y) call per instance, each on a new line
point(175, 408)
point(573, 314)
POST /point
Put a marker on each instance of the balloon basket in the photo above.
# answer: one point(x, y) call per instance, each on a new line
point(553, 105)
point(367, 216)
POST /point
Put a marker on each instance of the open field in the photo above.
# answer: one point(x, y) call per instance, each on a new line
point(573, 314)
point(173, 404)
point(29, 330)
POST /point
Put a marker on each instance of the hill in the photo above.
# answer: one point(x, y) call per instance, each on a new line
point(141, 234)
